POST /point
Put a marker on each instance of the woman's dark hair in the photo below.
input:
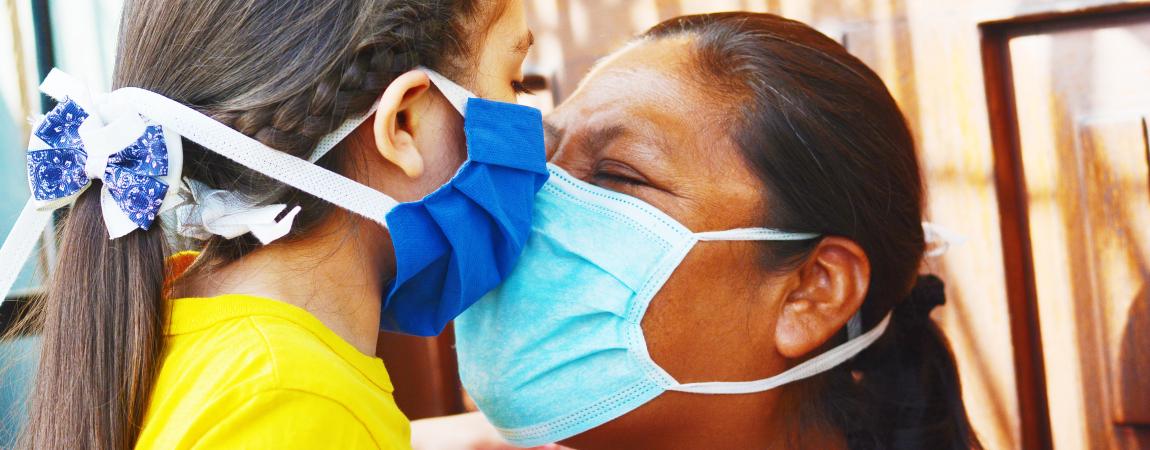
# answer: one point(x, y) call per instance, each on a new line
point(836, 156)
point(284, 72)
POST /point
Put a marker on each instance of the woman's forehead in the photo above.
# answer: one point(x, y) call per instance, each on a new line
point(647, 75)
point(646, 97)
point(655, 58)
point(650, 84)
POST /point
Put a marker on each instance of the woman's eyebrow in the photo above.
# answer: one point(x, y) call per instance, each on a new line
point(598, 138)
point(524, 44)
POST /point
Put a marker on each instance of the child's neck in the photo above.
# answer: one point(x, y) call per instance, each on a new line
point(336, 274)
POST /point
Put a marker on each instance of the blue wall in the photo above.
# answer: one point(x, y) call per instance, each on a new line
point(18, 360)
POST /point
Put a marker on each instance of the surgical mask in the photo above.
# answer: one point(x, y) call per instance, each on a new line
point(559, 349)
point(451, 247)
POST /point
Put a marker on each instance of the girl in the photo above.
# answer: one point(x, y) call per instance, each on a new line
point(245, 345)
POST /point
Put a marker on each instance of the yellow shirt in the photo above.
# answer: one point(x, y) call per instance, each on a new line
point(251, 373)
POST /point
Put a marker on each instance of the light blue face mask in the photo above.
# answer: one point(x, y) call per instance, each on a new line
point(558, 348)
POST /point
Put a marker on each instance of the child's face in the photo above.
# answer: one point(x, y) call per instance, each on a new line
point(502, 53)
point(494, 71)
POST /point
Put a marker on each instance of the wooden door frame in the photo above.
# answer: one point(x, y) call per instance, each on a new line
point(1010, 184)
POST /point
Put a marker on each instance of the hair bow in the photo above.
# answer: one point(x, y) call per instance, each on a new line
point(229, 214)
point(88, 138)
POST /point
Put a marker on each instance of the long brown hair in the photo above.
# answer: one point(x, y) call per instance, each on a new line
point(836, 156)
point(284, 72)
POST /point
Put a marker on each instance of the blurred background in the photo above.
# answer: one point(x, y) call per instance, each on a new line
point(1031, 120)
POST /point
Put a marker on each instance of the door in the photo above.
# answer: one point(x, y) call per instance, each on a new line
point(1070, 125)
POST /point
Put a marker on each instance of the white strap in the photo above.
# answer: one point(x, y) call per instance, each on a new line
point(329, 141)
point(296, 172)
point(854, 325)
point(59, 85)
point(808, 368)
point(456, 94)
point(101, 141)
point(939, 239)
point(754, 234)
point(20, 243)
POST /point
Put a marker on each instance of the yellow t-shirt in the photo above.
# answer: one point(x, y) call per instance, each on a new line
point(252, 373)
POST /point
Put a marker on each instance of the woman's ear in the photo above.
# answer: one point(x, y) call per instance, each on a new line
point(831, 287)
point(396, 117)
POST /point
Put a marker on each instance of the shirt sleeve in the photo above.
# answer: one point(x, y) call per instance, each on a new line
point(288, 419)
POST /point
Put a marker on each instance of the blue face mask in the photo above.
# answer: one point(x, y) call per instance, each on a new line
point(462, 240)
point(558, 349)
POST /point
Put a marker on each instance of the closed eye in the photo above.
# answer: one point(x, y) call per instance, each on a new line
point(604, 178)
point(613, 172)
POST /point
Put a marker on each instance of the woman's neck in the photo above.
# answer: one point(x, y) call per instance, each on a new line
point(336, 273)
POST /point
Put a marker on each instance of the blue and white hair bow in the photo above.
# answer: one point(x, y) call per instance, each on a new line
point(88, 138)
point(130, 140)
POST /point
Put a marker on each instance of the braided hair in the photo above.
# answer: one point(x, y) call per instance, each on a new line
point(291, 107)
point(284, 72)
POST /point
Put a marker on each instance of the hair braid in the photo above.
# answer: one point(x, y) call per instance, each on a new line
point(402, 35)
point(401, 42)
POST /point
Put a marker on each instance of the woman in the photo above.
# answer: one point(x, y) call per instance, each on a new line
point(643, 314)
point(254, 346)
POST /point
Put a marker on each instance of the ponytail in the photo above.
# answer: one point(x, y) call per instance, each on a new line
point(908, 394)
point(101, 323)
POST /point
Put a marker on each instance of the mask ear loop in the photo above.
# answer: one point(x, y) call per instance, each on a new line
point(808, 368)
point(854, 325)
point(755, 234)
point(938, 238)
point(457, 95)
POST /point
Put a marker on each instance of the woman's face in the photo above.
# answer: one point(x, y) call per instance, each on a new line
point(640, 125)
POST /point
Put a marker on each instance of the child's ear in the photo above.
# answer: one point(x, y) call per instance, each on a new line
point(395, 120)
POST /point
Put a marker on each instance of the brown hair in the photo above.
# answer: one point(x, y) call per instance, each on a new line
point(836, 157)
point(284, 72)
